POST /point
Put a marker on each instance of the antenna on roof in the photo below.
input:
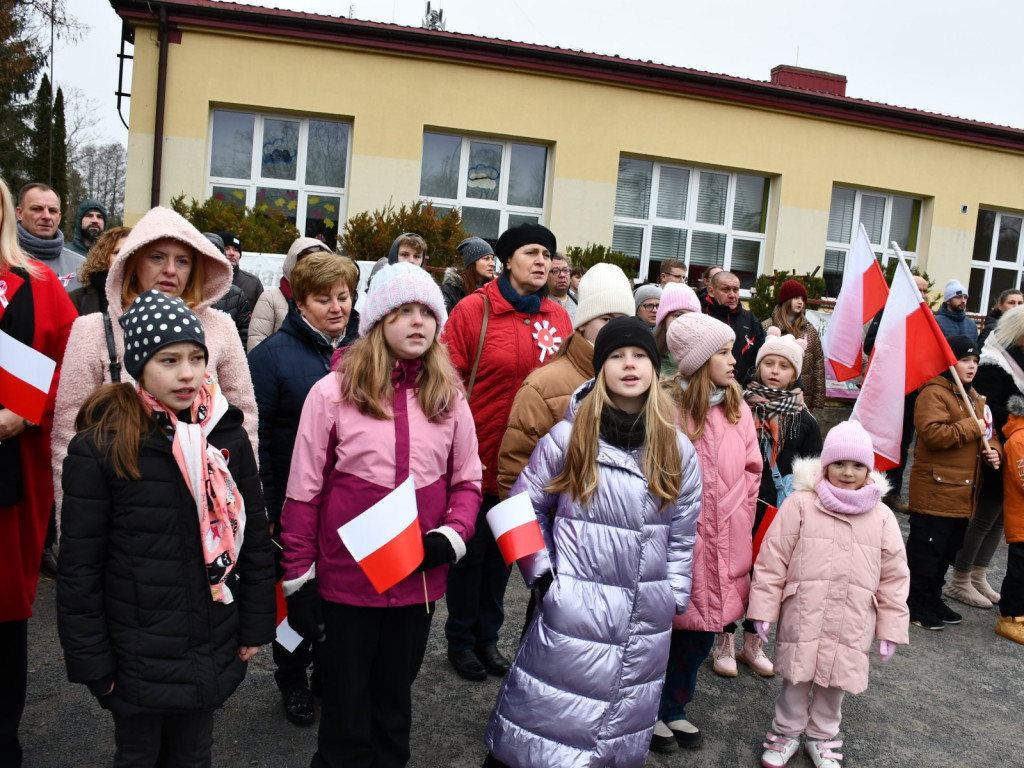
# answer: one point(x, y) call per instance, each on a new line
point(433, 20)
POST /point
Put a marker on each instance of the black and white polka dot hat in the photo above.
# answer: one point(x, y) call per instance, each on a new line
point(154, 321)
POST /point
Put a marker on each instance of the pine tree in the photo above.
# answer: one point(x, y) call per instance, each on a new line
point(59, 166)
point(20, 61)
point(40, 137)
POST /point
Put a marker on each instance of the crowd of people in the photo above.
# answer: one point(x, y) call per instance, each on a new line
point(211, 440)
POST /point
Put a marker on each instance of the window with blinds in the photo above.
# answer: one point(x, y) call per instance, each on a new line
point(997, 263)
point(699, 216)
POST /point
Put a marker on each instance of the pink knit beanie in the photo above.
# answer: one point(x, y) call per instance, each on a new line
point(676, 296)
point(848, 441)
point(398, 284)
point(784, 346)
point(693, 338)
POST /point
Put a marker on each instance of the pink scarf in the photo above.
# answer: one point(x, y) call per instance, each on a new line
point(219, 504)
point(845, 502)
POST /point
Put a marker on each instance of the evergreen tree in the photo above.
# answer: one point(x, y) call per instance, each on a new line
point(20, 61)
point(59, 168)
point(41, 135)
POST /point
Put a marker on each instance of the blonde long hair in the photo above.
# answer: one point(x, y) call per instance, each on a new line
point(365, 377)
point(694, 400)
point(662, 463)
point(11, 254)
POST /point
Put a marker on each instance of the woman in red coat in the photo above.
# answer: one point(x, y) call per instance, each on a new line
point(495, 337)
point(34, 310)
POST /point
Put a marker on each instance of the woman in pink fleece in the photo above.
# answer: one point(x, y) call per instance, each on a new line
point(165, 252)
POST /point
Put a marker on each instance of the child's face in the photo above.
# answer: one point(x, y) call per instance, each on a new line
point(628, 373)
point(174, 375)
point(722, 366)
point(966, 367)
point(776, 371)
point(848, 475)
point(591, 328)
point(410, 253)
point(409, 331)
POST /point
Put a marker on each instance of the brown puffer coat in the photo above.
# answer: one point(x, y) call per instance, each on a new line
point(946, 475)
point(540, 404)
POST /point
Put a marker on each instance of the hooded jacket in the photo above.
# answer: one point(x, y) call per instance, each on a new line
point(586, 681)
point(87, 363)
point(271, 307)
point(452, 288)
point(1013, 476)
point(833, 582)
point(956, 323)
point(78, 243)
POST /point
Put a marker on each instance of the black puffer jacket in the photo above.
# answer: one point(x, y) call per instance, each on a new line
point(133, 597)
point(749, 334)
point(452, 288)
point(235, 304)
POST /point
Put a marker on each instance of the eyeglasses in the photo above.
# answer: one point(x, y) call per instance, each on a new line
point(649, 307)
point(560, 272)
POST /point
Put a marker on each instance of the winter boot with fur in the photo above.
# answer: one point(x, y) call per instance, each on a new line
point(979, 578)
point(962, 589)
point(752, 654)
point(724, 655)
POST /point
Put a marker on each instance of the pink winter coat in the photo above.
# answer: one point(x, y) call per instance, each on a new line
point(731, 466)
point(834, 582)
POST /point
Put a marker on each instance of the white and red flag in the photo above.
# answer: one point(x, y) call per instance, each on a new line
point(514, 525)
point(385, 540)
point(909, 350)
point(862, 294)
point(25, 378)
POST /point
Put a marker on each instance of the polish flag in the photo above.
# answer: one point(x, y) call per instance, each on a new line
point(515, 528)
point(762, 529)
point(863, 293)
point(285, 635)
point(385, 540)
point(25, 378)
point(909, 350)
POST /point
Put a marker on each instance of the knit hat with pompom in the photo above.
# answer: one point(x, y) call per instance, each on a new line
point(398, 284)
point(784, 346)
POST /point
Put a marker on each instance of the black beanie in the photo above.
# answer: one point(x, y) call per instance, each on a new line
point(514, 238)
point(154, 321)
point(963, 347)
point(230, 238)
point(625, 332)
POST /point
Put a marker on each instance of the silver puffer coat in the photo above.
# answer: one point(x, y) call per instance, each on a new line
point(584, 687)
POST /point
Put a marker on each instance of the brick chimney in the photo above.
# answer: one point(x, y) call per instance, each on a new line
point(809, 79)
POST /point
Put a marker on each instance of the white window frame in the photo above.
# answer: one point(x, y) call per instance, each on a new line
point(986, 300)
point(690, 223)
point(501, 204)
point(256, 180)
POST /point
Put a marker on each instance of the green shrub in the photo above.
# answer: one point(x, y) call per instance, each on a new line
point(368, 235)
point(261, 230)
point(590, 255)
point(765, 295)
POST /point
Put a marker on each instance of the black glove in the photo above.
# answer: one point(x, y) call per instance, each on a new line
point(305, 612)
point(543, 584)
point(437, 550)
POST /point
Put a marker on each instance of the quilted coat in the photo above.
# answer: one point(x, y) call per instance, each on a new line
point(133, 597)
point(731, 469)
point(515, 344)
point(833, 582)
point(1013, 477)
point(585, 684)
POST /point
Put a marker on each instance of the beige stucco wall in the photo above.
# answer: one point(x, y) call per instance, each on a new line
point(391, 99)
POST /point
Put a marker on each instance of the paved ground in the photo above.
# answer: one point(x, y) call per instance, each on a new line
point(952, 698)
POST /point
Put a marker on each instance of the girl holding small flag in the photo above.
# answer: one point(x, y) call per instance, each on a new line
point(166, 586)
point(624, 485)
point(393, 414)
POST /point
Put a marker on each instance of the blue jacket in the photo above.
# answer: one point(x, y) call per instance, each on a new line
point(284, 368)
point(956, 323)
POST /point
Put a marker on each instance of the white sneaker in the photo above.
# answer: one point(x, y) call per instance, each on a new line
point(822, 753)
point(778, 750)
point(724, 655)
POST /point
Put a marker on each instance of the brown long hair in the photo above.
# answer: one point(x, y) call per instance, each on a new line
point(115, 418)
point(780, 319)
point(365, 377)
point(695, 400)
point(662, 463)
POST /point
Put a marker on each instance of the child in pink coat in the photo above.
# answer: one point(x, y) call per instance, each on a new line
point(833, 572)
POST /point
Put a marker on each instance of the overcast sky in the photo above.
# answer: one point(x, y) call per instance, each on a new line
point(954, 58)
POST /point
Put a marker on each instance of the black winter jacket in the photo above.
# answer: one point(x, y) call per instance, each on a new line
point(452, 289)
point(284, 368)
point(133, 596)
point(92, 297)
point(806, 444)
point(749, 335)
point(249, 284)
point(235, 304)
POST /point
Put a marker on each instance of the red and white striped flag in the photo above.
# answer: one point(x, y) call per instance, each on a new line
point(385, 540)
point(909, 350)
point(25, 378)
point(514, 525)
point(863, 293)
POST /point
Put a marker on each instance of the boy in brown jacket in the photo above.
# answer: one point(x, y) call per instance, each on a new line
point(944, 481)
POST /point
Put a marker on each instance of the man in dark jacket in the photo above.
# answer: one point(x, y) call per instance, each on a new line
point(709, 274)
point(724, 304)
point(90, 221)
point(234, 301)
point(247, 281)
point(952, 315)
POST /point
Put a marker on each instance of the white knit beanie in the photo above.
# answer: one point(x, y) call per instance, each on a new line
point(848, 441)
point(603, 290)
point(694, 338)
point(784, 346)
point(398, 284)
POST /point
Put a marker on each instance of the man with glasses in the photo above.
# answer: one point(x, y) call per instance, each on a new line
point(648, 299)
point(558, 283)
point(672, 271)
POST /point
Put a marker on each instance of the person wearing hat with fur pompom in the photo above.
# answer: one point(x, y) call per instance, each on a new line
point(790, 317)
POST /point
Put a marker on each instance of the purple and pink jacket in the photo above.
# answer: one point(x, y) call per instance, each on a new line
point(345, 462)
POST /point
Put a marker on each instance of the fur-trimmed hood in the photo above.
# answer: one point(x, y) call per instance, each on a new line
point(452, 276)
point(807, 471)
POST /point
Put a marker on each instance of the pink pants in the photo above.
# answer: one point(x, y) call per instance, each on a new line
point(808, 708)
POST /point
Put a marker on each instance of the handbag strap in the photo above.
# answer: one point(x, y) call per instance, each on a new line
point(479, 348)
point(115, 362)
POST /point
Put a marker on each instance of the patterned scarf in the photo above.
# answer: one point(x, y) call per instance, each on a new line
point(776, 415)
point(219, 504)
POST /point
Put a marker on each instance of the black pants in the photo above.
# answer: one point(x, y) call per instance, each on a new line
point(931, 549)
point(476, 589)
point(164, 741)
point(13, 677)
point(368, 664)
point(293, 666)
point(1011, 594)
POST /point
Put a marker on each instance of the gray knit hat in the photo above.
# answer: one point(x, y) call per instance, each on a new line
point(473, 249)
point(645, 293)
point(155, 321)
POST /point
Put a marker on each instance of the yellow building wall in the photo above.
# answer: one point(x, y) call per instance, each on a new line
point(391, 99)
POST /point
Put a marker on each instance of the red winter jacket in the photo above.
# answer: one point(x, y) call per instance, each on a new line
point(515, 344)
